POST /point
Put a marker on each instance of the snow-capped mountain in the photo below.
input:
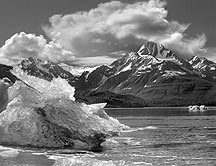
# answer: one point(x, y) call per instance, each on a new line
point(139, 68)
point(152, 76)
point(204, 66)
point(44, 69)
point(155, 49)
point(156, 75)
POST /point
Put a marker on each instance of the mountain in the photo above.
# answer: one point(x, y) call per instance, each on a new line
point(45, 69)
point(158, 76)
point(152, 76)
point(204, 66)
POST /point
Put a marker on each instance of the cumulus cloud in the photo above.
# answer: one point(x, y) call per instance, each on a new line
point(103, 34)
point(186, 47)
point(115, 26)
point(22, 45)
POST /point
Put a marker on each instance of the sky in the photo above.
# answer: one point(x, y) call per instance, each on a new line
point(89, 33)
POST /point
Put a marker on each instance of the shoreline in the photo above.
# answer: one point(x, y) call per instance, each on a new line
point(180, 107)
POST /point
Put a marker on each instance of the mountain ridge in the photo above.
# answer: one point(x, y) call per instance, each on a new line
point(152, 76)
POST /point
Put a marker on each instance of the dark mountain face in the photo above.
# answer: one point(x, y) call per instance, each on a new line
point(153, 76)
point(5, 72)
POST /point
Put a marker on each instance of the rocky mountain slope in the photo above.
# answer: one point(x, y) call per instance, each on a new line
point(44, 69)
point(152, 76)
point(204, 66)
point(158, 76)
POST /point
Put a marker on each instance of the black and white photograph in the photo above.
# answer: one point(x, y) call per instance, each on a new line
point(107, 82)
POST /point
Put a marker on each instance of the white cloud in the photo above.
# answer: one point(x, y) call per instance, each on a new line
point(77, 70)
point(102, 34)
point(22, 45)
point(115, 26)
point(186, 47)
point(92, 61)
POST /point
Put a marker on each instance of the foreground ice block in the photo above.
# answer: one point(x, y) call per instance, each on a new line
point(33, 119)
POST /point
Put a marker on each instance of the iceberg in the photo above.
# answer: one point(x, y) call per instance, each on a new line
point(37, 116)
point(4, 85)
point(196, 108)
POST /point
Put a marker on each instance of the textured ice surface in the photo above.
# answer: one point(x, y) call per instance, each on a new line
point(56, 88)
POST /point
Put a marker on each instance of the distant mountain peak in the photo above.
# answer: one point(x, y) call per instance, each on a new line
point(44, 69)
point(196, 59)
point(32, 60)
point(148, 48)
point(204, 65)
point(155, 50)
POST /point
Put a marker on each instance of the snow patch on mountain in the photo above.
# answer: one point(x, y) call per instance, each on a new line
point(128, 67)
point(168, 74)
